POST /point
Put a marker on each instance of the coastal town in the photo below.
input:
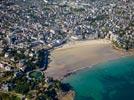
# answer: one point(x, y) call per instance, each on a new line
point(31, 29)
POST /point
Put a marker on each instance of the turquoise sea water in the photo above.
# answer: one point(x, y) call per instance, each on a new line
point(113, 80)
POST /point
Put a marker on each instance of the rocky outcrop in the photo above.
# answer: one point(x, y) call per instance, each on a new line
point(67, 96)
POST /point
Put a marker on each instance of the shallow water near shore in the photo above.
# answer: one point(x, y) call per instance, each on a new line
point(113, 80)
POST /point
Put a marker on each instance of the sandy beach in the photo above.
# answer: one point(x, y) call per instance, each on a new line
point(81, 54)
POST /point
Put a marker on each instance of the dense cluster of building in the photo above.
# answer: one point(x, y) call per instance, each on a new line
point(28, 28)
point(51, 22)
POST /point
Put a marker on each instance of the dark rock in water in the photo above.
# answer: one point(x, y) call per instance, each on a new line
point(65, 87)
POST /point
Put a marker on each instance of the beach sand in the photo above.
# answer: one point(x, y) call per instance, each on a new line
point(81, 54)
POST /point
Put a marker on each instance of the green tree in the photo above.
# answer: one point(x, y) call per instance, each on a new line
point(22, 88)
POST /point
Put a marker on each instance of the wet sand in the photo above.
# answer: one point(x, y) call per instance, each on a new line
point(81, 54)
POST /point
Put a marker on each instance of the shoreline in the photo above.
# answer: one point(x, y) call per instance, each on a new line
point(68, 60)
point(91, 66)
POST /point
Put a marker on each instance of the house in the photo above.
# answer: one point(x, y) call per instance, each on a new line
point(1, 50)
point(4, 87)
point(1, 65)
point(74, 38)
point(31, 54)
point(7, 68)
point(45, 1)
point(6, 55)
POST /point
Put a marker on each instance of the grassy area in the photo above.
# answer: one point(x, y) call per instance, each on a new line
point(9, 96)
point(36, 75)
